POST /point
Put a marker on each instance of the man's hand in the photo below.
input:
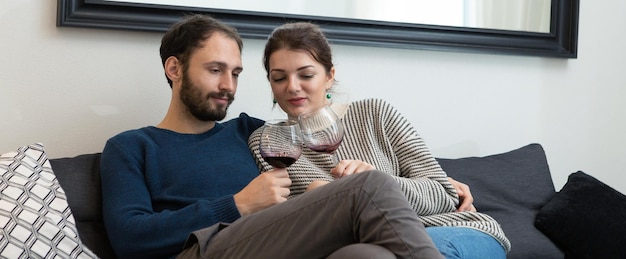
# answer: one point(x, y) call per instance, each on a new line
point(348, 167)
point(267, 189)
point(465, 196)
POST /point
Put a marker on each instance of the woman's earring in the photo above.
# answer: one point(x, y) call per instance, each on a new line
point(328, 96)
point(274, 101)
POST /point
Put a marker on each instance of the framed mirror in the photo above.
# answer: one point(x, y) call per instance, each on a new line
point(554, 33)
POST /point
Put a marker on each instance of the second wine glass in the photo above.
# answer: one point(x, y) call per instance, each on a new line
point(322, 131)
point(281, 143)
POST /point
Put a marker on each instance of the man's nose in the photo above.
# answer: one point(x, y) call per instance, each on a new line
point(228, 83)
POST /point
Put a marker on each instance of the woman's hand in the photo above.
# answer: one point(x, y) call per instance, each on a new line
point(316, 184)
point(348, 167)
point(465, 196)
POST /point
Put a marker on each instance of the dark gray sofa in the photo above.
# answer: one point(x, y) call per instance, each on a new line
point(512, 187)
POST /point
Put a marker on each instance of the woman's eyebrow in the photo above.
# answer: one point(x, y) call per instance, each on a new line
point(305, 67)
point(299, 69)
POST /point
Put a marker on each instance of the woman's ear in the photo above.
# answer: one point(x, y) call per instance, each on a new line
point(173, 69)
point(331, 78)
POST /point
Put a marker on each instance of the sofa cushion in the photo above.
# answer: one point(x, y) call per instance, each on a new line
point(80, 177)
point(35, 219)
point(511, 187)
point(586, 219)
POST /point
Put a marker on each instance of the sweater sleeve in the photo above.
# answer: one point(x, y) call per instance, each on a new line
point(134, 227)
point(421, 178)
point(380, 135)
point(253, 143)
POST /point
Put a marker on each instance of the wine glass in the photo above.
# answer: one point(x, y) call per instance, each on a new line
point(322, 131)
point(281, 143)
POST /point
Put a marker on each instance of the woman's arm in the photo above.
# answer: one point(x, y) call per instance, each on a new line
point(398, 149)
point(253, 143)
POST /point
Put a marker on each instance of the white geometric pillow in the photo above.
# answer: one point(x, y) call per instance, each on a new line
point(35, 219)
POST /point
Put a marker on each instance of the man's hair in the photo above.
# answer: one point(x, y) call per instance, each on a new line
point(188, 34)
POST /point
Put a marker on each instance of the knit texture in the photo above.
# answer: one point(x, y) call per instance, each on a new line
point(376, 132)
point(159, 185)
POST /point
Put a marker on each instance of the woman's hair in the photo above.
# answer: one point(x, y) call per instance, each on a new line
point(299, 36)
point(188, 34)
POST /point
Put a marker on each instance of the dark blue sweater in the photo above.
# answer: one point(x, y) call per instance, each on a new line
point(158, 185)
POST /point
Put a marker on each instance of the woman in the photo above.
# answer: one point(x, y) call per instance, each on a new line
point(299, 67)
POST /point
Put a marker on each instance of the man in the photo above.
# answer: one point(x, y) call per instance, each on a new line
point(191, 177)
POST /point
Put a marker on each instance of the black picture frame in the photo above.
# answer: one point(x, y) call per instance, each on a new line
point(560, 42)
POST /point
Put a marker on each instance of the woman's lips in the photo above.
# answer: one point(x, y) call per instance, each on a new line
point(297, 101)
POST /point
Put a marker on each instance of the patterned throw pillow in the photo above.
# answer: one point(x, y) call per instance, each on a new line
point(35, 219)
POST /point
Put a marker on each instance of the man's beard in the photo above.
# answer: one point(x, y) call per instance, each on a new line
point(199, 105)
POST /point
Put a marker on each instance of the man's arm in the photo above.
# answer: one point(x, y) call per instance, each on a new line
point(465, 196)
point(135, 228)
point(152, 212)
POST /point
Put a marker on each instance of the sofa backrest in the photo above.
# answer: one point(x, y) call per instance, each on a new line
point(511, 187)
point(80, 179)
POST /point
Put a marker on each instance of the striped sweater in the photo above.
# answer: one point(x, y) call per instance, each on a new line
point(375, 132)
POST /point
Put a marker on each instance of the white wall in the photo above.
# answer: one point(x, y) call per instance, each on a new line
point(73, 88)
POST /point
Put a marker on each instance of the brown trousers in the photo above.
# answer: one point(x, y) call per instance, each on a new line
point(364, 208)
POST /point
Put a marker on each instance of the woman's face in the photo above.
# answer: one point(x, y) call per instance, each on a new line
point(299, 83)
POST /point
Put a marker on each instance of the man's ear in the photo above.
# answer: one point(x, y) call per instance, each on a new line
point(173, 68)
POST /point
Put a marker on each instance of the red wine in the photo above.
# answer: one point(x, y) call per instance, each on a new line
point(280, 161)
point(324, 148)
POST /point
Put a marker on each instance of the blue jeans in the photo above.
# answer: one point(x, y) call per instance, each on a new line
point(465, 243)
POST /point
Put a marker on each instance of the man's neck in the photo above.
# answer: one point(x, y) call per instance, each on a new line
point(186, 124)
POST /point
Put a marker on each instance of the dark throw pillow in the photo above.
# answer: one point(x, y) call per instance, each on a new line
point(586, 219)
point(80, 177)
point(511, 187)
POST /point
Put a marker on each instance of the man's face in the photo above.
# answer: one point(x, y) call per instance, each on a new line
point(209, 83)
